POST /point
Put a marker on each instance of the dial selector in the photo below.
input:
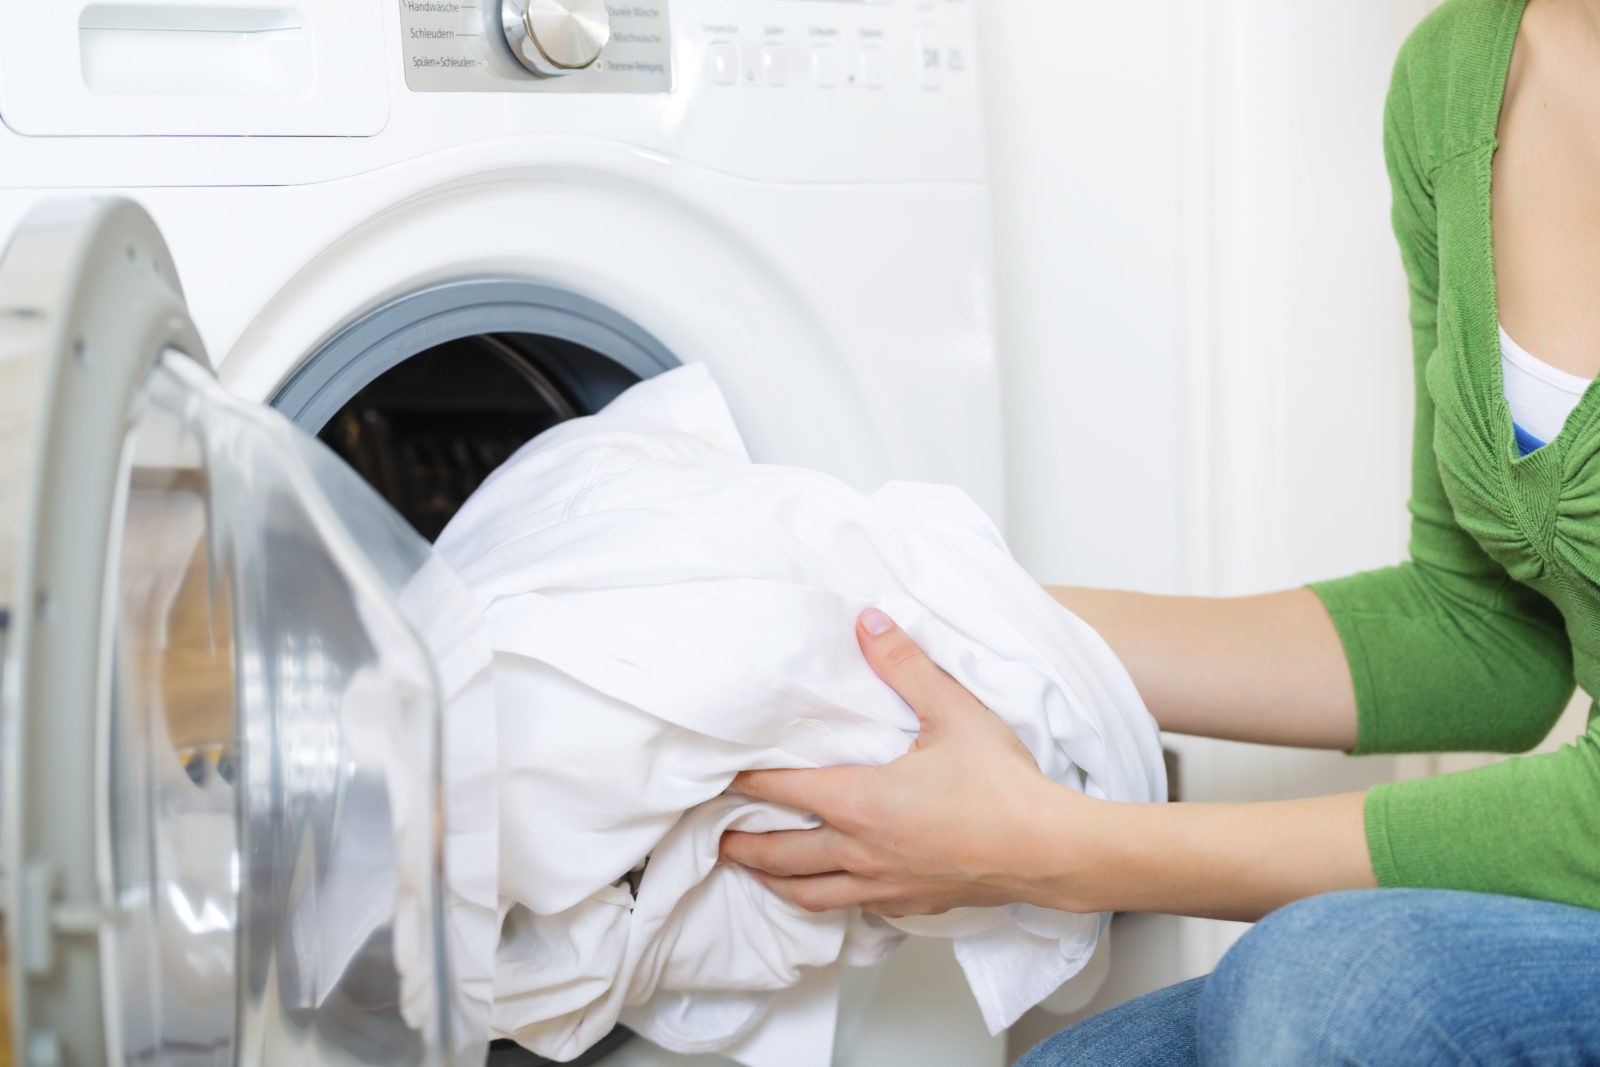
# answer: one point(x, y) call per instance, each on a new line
point(556, 37)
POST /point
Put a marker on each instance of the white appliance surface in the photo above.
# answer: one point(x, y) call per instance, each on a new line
point(804, 210)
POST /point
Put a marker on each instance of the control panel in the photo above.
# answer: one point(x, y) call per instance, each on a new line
point(831, 45)
point(612, 46)
point(799, 90)
point(541, 46)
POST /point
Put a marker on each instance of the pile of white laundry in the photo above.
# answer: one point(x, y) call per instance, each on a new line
point(665, 613)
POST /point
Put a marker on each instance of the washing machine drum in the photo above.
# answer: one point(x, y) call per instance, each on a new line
point(225, 667)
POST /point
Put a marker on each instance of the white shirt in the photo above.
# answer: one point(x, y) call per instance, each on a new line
point(664, 614)
point(1540, 396)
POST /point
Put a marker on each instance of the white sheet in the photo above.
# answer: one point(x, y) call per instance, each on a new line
point(666, 613)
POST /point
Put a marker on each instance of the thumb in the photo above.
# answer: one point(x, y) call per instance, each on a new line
point(936, 697)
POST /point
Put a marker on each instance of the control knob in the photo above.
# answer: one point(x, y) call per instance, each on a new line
point(555, 37)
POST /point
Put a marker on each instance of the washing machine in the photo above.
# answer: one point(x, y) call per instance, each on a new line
point(283, 283)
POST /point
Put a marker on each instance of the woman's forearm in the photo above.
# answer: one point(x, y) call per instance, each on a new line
point(1268, 669)
point(1221, 861)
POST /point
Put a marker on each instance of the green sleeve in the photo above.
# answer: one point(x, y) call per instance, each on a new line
point(1523, 827)
point(1446, 651)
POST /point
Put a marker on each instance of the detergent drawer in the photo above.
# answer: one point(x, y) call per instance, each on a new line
point(193, 69)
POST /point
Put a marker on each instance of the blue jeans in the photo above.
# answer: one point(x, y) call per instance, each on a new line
point(1388, 976)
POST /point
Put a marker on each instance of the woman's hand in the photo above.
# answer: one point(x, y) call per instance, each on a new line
point(952, 823)
point(966, 818)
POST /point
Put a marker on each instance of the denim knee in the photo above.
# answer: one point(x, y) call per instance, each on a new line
point(1390, 976)
point(1346, 977)
point(1156, 1030)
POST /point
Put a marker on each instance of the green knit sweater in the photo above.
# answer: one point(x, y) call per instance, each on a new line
point(1473, 644)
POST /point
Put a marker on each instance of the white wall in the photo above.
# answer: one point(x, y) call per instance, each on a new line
point(1200, 303)
point(1201, 312)
point(1089, 176)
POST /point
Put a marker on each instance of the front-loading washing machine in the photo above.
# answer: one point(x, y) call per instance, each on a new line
point(423, 231)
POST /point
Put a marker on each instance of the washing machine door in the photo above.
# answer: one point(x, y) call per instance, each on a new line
point(222, 826)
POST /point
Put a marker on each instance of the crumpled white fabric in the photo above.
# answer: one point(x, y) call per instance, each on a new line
point(665, 614)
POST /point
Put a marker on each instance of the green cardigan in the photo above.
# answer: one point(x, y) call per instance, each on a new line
point(1473, 645)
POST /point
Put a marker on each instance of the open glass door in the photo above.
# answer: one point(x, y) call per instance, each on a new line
point(232, 683)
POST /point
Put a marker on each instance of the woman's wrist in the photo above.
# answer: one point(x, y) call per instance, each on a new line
point(1065, 838)
point(1229, 861)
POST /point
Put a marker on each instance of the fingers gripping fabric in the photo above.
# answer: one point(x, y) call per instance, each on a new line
point(665, 614)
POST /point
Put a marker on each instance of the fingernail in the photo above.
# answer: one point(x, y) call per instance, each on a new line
point(876, 622)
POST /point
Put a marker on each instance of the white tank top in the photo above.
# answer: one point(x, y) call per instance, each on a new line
point(1540, 396)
